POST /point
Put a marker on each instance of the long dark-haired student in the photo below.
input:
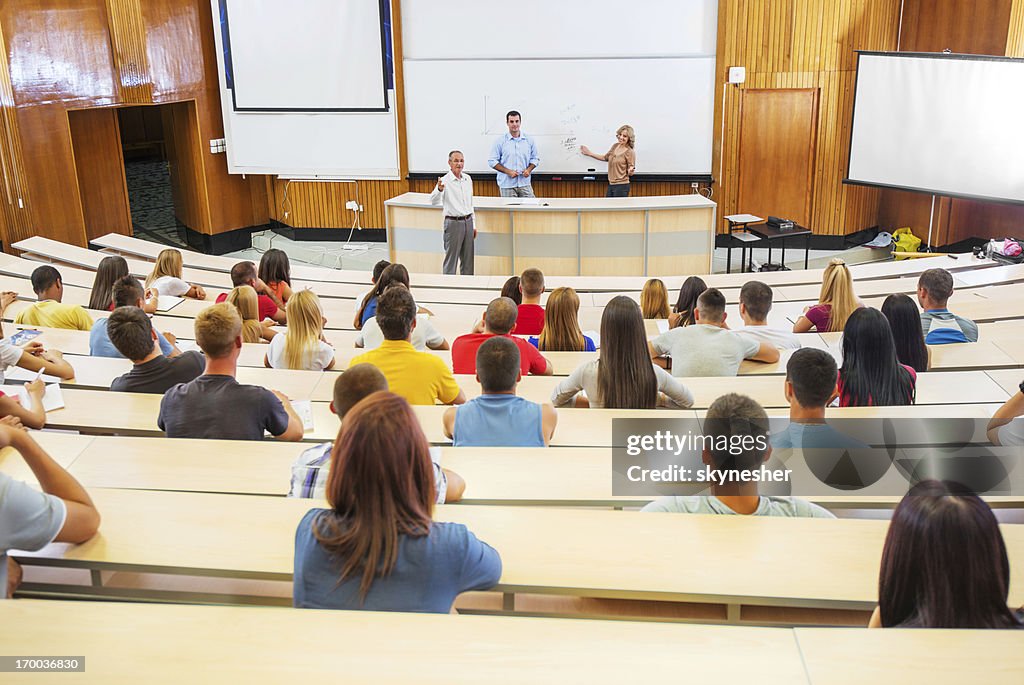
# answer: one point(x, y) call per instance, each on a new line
point(377, 548)
point(871, 374)
point(944, 564)
point(392, 273)
point(685, 311)
point(905, 322)
point(622, 377)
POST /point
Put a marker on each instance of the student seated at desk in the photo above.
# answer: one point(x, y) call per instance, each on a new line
point(905, 323)
point(29, 519)
point(654, 300)
point(132, 334)
point(391, 273)
point(499, 320)
point(165, 279)
point(944, 563)
point(127, 292)
point(737, 416)
point(302, 347)
point(424, 335)
point(530, 320)
point(622, 377)
point(941, 326)
point(377, 548)
point(254, 329)
point(811, 377)
point(111, 270)
point(1006, 428)
point(276, 272)
point(755, 303)
point(215, 406)
point(33, 357)
point(511, 290)
point(561, 332)
point(49, 311)
point(419, 377)
point(310, 471)
point(707, 347)
point(871, 374)
point(685, 311)
point(498, 417)
point(268, 304)
point(836, 301)
point(12, 408)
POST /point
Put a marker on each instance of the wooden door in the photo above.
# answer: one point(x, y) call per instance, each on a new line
point(778, 129)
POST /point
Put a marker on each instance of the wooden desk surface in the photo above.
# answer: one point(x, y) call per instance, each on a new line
point(815, 562)
point(174, 644)
point(844, 656)
point(65, 448)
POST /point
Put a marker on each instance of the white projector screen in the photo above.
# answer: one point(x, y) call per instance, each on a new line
point(306, 56)
point(575, 69)
point(939, 123)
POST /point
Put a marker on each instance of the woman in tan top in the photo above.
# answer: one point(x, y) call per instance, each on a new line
point(621, 161)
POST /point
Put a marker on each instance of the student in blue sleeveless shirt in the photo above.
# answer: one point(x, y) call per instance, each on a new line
point(498, 417)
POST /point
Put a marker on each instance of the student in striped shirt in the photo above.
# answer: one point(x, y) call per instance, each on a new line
point(310, 470)
point(941, 326)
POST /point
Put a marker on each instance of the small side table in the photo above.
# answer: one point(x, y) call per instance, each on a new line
point(738, 232)
point(770, 234)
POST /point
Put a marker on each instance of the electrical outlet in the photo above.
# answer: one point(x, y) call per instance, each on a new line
point(695, 185)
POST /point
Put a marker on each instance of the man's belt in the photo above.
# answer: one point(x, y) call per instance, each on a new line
point(459, 218)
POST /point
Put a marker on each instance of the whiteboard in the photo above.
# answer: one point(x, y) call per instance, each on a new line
point(461, 104)
point(541, 29)
point(307, 145)
point(308, 55)
point(942, 124)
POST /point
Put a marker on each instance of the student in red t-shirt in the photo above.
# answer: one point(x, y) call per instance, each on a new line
point(531, 313)
point(244, 273)
point(499, 319)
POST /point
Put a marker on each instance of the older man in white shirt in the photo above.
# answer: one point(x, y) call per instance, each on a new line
point(454, 191)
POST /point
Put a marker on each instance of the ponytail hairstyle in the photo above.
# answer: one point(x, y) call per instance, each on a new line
point(168, 263)
point(686, 305)
point(837, 292)
point(905, 322)
point(244, 299)
point(109, 271)
point(393, 273)
point(871, 374)
point(625, 375)
point(654, 300)
point(561, 323)
point(305, 324)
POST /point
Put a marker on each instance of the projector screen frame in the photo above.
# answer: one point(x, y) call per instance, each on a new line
point(229, 68)
point(927, 191)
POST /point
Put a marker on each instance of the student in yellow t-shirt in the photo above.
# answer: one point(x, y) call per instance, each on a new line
point(49, 311)
point(419, 377)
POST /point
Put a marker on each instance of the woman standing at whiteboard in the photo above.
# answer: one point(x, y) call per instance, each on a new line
point(621, 161)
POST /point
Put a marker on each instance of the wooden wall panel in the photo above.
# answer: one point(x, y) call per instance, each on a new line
point(15, 218)
point(776, 152)
point(100, 171)
point(801, 44)
point(977, 27)
point(128, 39)
point(188, 181)
point(1015, 32)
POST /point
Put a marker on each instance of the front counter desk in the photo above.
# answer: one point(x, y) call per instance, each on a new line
point(659, 236)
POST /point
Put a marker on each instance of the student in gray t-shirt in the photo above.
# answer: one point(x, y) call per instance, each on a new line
point(755, 303)
point(133, 336)
point(215, 405)
point(735, 419)
point(708, 348)
point(29, 519)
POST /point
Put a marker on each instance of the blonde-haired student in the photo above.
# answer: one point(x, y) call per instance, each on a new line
point(302, 346)
point(836, 301)
point(165, 278)
point(246, 301)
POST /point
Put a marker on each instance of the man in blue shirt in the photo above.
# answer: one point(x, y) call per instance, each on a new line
point(514, 157)
point(941, 326)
